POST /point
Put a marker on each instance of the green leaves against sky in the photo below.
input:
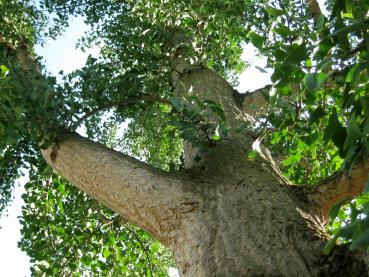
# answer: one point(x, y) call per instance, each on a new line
point(317, 120)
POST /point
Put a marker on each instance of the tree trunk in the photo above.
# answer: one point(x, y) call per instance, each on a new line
point(225, 215)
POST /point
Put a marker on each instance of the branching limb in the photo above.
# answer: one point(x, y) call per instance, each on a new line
point(339, 187)
point(153, 200)
point(125, 103)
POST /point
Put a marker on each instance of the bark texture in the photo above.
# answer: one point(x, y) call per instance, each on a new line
point(224, 215)
point(339, 187)
point(151, 199)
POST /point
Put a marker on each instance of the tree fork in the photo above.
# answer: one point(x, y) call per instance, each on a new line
point(152, 199)
point(215, 226)
point(232, 217)
point(229, 217)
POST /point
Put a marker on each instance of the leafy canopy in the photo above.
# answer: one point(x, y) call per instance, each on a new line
point(318, 114)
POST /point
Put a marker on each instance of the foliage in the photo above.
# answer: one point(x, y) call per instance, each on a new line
point(317, 122)
point(66, 232)
point(320, 103)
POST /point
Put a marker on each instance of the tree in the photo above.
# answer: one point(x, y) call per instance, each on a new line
point(223, 206)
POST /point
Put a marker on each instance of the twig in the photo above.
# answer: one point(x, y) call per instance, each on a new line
point(148, 98)
point(143, 247)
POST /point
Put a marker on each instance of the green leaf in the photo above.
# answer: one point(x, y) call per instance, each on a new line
point(353, 132)
point(60, 206)
point(302, 146)
point(274, 12)
point(282, 31)
point(106, 253)
point(252, 154)
point(61, 187)
point(256, 39)
point(313, 81)
point(296, 54)
point(216, 137)
point(3, 68)
point(329, 245)
point(320, 22)
point(361, 241)
point(308, 63)
point(335, 131)
point(291, 160)
point(354, 72)
point(86, 260)
point(333, 212)
point(348, 15)
point(317, 114)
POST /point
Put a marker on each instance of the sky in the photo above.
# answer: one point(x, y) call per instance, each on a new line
point(58, 55)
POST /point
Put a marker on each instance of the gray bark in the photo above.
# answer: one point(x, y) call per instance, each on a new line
point(224, 216)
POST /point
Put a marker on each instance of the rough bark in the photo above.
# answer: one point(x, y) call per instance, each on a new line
point(243, 224)
point(226, 215)
point(337, 188)
point(223, 216)
point(152, 199)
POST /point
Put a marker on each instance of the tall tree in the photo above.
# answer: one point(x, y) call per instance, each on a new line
point(234, 184)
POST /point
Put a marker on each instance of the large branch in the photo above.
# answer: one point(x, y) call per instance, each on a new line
point(254, 103)
point(337, 188)
point(154, 200)
point(22, 53)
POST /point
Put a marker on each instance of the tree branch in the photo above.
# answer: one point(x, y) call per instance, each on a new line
point(336, 188)
point(314, 8)
point(147, 98)
point(254, 103)
point(153, 200)
point(22, 53)
point(144, 248)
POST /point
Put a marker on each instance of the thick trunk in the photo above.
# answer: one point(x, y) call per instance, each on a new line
point(224, 216)
point(244, 224)
point(251, 227)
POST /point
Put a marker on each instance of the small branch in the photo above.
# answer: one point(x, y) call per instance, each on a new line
point(314, 8)
point(336, 188)
point(147, 98)
point(68, 259)
point(143, 248)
